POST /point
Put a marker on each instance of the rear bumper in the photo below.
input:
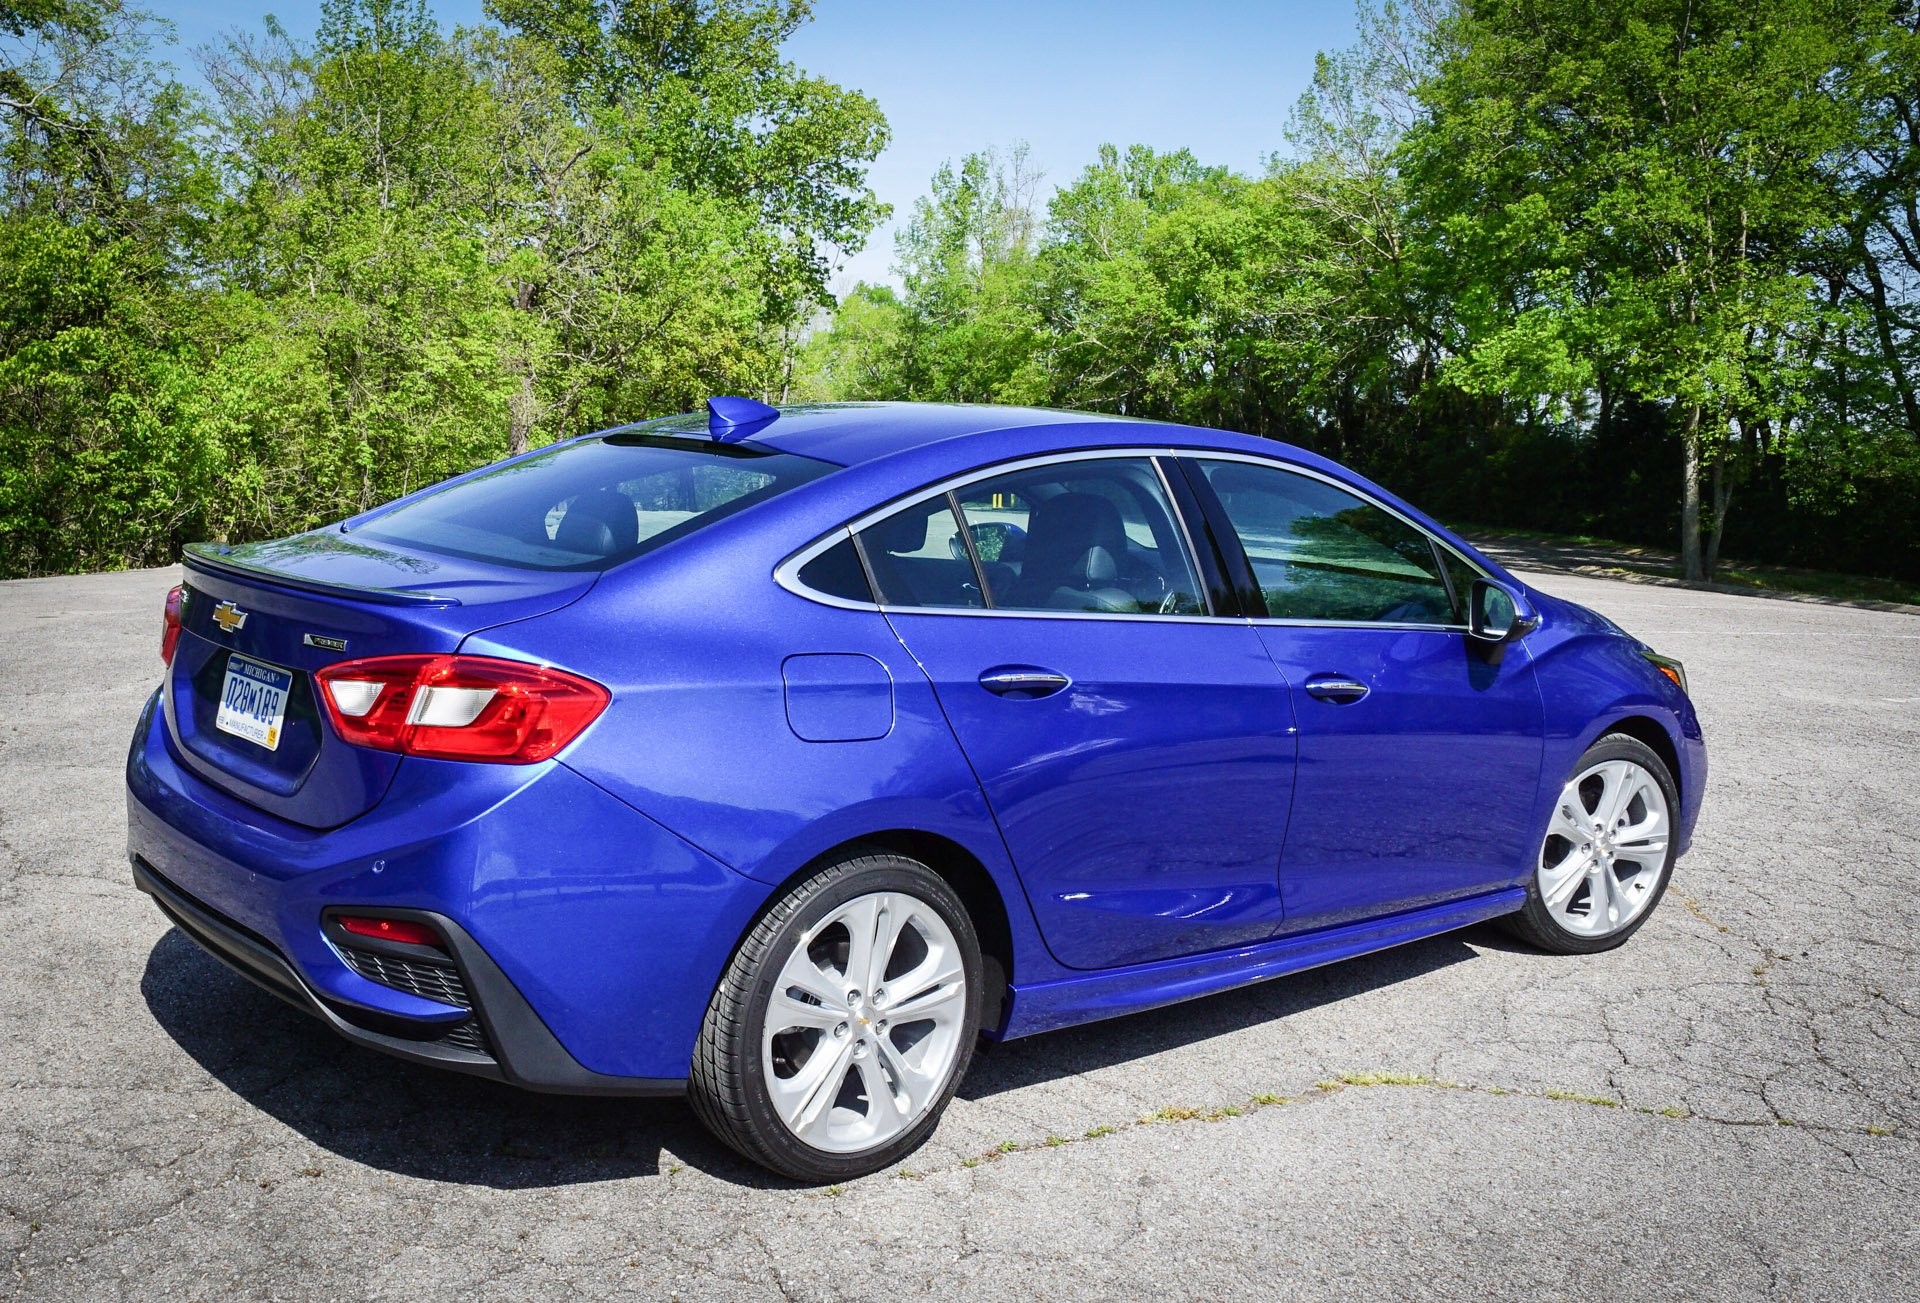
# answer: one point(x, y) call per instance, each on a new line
point(588, 939)
point(512, 1045)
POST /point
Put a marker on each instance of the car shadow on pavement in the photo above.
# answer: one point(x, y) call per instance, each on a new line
point(442, 1126)
point(408, 1119)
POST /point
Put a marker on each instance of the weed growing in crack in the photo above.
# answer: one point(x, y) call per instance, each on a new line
point(1598, 1101)
point(1381, 1079)
point(1171, 1113)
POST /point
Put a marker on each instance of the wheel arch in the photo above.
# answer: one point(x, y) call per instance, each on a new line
point(1645, 729)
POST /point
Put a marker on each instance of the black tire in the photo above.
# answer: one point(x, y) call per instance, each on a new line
point(727, 1086)
point(1534, 923)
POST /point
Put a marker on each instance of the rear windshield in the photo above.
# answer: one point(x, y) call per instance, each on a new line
point(585, 506)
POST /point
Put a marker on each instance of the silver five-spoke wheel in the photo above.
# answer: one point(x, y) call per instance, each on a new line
point(1606, 848)
point(845, 1020)
point(865, 1023)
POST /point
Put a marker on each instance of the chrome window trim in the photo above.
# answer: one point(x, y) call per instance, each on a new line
point(1401, 516)
point(1213, 620)
point(787, 573)
point(1019, 613)
point(1276, 622)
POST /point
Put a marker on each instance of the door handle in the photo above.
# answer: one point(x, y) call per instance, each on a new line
point(1022, 681)
point(1336, 688)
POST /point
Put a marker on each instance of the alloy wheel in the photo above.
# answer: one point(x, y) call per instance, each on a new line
point(865, 1022)
point(1605, 849)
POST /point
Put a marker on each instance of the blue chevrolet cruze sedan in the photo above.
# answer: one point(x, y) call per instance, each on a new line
point(778, 757)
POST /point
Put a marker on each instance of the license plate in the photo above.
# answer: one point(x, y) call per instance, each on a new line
point(253, 701)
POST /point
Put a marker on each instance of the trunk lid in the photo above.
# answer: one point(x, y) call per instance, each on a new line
point(261, 618)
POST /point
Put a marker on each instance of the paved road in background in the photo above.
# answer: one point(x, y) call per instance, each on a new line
point(1727, 1108)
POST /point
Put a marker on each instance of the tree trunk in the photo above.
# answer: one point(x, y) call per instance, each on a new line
point(1690, 567)
point(1889, 349)
point(521, 409)
point(1722, 495)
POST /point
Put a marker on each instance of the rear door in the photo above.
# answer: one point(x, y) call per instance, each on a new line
point(1137, 751)
point(1420, 748)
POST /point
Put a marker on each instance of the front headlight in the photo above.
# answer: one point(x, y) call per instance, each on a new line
point(1668, 666)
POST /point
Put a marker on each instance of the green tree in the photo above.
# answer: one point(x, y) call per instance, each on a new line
point(102, 198)
point(359, 309)
point(698, 90)
point(967, 259)
point(1878, 265)
point(1625, 193)
point(859, 356)
point(488, 239)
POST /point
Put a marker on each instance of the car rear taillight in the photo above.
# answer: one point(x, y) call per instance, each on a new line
point(170, 622)
point(459, 707)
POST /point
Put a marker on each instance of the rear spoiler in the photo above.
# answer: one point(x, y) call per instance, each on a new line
point(218, 559)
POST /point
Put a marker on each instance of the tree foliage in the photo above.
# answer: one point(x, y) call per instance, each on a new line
point(373, 259)
point(1539, 262)
point(1648, 270)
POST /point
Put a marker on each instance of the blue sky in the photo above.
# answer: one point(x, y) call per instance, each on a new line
point(1215, 76)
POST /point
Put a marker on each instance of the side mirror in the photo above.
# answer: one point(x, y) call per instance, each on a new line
point(1499, 612)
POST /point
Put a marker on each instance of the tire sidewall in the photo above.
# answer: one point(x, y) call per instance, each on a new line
point(809, 904)
point(1612, 746)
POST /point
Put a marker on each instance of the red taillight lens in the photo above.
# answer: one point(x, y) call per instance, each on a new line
point(170, 622)
point(459, 707)
point(391, 929)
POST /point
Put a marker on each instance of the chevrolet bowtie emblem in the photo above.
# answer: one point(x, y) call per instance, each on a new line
point(229, 617)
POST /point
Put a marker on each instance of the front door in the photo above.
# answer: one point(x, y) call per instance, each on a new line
point(1420, 748)
point(1137, 752)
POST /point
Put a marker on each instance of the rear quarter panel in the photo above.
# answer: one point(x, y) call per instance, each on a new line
point(694, 642)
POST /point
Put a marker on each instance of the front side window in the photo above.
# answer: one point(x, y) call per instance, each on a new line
point(1462, 574)
point(1321, 553)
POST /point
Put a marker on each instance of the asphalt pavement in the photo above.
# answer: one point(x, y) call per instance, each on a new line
point(1728, 1107)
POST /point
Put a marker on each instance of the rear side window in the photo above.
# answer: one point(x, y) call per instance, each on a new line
point(589, 505)
point(837, 572)
point(1081, 535)
point(1321, 553)
point(919, 558)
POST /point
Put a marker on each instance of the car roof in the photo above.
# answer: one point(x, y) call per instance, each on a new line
point(847, 434)
point(911, 444)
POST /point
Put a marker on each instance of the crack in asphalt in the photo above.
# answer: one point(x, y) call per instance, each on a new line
point(1177, 1116)
point(158, 1116)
